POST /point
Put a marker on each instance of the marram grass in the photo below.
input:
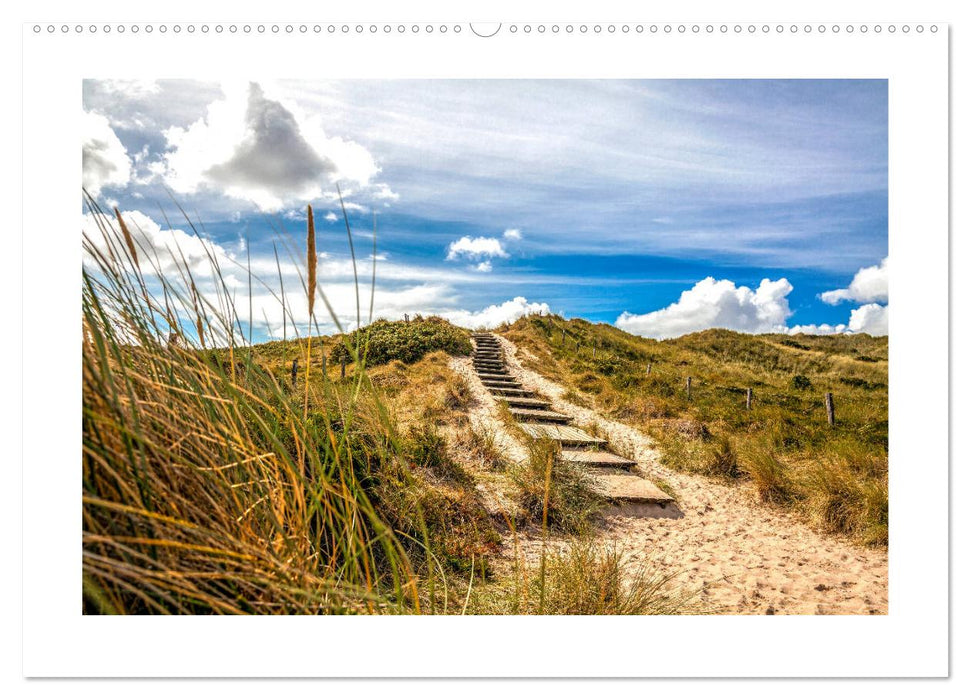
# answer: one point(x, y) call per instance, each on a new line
point(213, 483)
point(207, 487)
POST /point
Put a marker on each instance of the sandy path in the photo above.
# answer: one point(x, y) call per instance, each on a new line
point(742, 556)
point(497, 493)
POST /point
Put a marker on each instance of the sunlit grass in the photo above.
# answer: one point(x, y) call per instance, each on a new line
point(783, 448)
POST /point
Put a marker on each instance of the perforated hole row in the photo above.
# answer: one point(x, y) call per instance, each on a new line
point(520, 29)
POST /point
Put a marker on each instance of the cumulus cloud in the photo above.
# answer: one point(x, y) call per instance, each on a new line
point(512, 234)
point(104, 160)
point(476, 248)
point(820, 329)
point(723, 304)
point(870, 318)
point(255, 148)
point(869, 284)
point(716, 304)
point(497, 314)
point(484, 266)
point(331, 216)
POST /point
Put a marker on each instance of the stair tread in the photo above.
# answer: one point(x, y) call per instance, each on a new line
point(509, 391)
point(521, 401)
point(597, 458)
point(619, 485)
point(537, 414)
point(564, 434)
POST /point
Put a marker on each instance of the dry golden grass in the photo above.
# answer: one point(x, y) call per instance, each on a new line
point(836, 476)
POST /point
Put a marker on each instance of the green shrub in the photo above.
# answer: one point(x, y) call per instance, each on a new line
point(385, 341)
point(801, 381)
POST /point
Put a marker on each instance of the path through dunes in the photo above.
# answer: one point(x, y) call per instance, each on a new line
point(609, 472)
point(742, 557)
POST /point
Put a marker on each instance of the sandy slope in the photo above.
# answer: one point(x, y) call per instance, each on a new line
point(741, 556)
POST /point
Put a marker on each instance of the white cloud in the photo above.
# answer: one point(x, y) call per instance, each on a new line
point(820, 329)
point(869, 284)
point(716, 304)
point(254, 148)
point(870, 318)
point(512, 234)
point(331, 216)
point(722, 304)
point(492, 316)
point(484, 266)
point(104, 160)
point(169, 249)
point(476, 248)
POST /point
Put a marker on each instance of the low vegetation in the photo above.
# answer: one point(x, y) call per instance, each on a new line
point(783, 448)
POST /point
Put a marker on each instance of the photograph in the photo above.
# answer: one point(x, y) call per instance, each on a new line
point(485, 346)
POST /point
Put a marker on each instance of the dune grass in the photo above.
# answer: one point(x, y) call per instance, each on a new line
point(783, 448)
point(214, 482)
point(218, 477)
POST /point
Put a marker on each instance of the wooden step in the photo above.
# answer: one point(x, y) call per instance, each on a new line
point(489, 365)
point(620, 486)
point(504, 391)
point(525, 402)
point(485, 376)
point(493, 384)
point(528, 415)
point(566, 435)
point(597, 458)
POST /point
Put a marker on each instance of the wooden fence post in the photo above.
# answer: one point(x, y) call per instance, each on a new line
point(293, 372)
point(323, 362)
point(406, 318)
point(748, 399)
point(343, 366)
point(594, 352)
point(563, 337)
point(687, 386)
point(649, 368)
point(830, 409)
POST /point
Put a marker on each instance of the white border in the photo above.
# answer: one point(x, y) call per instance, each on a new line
point(910, 641)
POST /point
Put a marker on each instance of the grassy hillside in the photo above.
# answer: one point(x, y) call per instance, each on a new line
point(215, 479)
point(783, 447)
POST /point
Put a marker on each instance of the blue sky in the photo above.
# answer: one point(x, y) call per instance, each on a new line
point(661, 206)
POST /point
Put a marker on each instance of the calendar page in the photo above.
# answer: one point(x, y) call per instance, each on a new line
point(416, 345)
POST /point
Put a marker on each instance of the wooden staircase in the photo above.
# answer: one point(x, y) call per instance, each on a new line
point(611, 473)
